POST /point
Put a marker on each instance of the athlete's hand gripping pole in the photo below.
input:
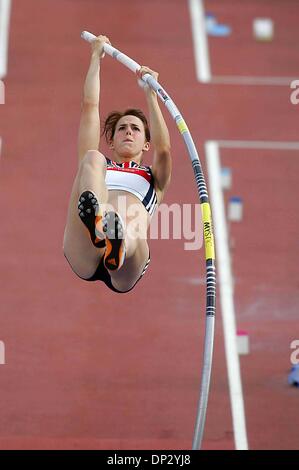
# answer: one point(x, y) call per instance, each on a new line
point(135, 67)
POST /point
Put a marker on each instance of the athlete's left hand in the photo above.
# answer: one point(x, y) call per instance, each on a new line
point(142, 71)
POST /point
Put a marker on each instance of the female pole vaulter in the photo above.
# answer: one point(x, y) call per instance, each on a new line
point(113, 199)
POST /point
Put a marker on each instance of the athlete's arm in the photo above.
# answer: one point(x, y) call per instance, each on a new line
point(89, 128)
point(162, 164)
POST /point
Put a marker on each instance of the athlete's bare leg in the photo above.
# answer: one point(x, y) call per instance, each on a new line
point(125, 278)
point(136, 221)
point(79, 250)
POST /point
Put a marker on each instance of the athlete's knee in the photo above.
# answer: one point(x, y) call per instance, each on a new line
point(81, 267)
point(124, 285)
point(93, 160)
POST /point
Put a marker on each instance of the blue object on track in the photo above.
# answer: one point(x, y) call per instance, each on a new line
point(215, 29)
point(293, 378)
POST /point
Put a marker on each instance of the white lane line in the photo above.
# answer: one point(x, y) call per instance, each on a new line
point(2, 353)
point(5, 7)
point(200, 41)
point(2, 92)
point(258, 144)
point(202, 56)
point(226, 295)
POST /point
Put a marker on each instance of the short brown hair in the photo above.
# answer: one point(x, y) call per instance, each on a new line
point(113, 118)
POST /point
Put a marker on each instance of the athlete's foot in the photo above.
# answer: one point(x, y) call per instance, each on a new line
point(90, 214)
point(115, 243)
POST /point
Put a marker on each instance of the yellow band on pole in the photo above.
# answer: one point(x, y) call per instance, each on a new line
point(182, 126)
point(208, 230)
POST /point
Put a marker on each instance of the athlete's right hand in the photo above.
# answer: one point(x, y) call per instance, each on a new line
point(97, 46)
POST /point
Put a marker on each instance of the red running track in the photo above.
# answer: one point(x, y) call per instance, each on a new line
point(87, 368)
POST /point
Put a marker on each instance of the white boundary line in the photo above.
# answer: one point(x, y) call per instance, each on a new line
point(202, 57)
point(212, 150)
point(2, 92)
point(5, 7)
point(239, 80)
point(2, 353)
point(226, 295)
point(200, 41)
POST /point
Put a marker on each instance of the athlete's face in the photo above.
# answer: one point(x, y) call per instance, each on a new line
point(129, 138)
